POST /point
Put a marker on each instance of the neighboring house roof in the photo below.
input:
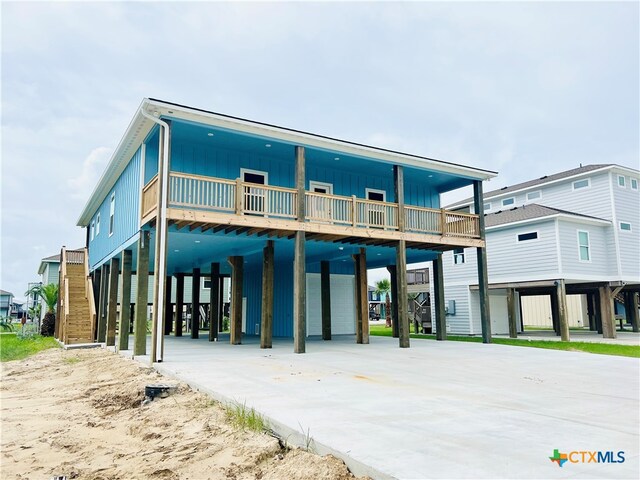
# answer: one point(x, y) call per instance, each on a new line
point(4, 292)
point(539, 181)
point(530, 212)
point(44, 261)
point(141, 125)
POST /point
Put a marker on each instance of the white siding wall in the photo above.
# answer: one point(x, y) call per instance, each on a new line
point(460, 323)
point(627, 205)
point(603, 260)
point(536, 310)
point(343, 314)
point(204, 293)
point(594, 200)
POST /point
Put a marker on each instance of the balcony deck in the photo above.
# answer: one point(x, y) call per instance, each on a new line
point(234, 206)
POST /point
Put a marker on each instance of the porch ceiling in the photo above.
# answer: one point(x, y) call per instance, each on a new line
point(199, 134)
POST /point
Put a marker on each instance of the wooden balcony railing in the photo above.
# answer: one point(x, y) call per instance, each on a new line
point(242, 198)
point(149, 196)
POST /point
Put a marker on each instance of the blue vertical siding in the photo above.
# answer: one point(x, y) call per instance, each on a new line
point(151, 155)
point(282, 298)
point(127, 213)
point(217, 162)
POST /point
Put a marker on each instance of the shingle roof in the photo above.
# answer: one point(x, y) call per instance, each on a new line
point(4, 292)
point(527, 212)
point(537, 181)
point(52, 258)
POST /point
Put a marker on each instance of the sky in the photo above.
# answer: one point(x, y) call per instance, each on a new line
point(525, 89)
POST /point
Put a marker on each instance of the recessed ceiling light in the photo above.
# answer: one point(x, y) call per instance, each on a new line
point(210, 134)
point(379, 254)
point(340, 248)
point(337, 158)
point(268, 145)
point(429, 176)
point(176, 251)
point(197, 241)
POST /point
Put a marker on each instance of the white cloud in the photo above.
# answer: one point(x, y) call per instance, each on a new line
point(82, 185)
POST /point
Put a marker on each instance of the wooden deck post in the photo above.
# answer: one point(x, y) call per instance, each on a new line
point(364, 296)
point(632, 310)
point(237, 278)
point(214, 299)
point(398, 183)
point(97, 295)
point(563, 322)
point(591, 311)
point(401, 299)
point(394, 300)
point(266, 318)
point(299, 295)
point(299, 260)
point(555, 312)
point(179, 304)
point(168, 306)
point(356, 296)
point(606, 309)
point(125, 302)
point(112, 307)
point(483, 279)
point(438, 293)
point(195, 303)
point(325, 298)
point(142, 294)
point(512, 313)
point(221, 304)
point(102, 313)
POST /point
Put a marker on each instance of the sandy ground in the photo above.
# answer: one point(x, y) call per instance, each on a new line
point(78, 413)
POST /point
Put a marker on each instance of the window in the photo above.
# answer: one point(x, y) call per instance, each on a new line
point(458, 256)
point(112, 211)
point(578, 184)
point(93, 229)
point(534, 195)
point(508, 201)
point(523, 237)
point(255, 198)
point(625, 226)
point(206, 283)
point(634, 184)
point(621, 181)
point(583, 246)
point(98, 224)
point(487, 206)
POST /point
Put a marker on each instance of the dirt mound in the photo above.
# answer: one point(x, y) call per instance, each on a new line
point(80, 414)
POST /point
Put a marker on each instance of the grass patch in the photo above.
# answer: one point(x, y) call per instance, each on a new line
point(588, 347)
point(13, 347)
point(244, 418)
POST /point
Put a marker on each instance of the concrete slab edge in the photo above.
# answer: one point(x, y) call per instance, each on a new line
point(75, 346)
point(286, 434)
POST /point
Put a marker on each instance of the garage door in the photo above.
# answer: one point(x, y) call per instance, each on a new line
point(343, 315)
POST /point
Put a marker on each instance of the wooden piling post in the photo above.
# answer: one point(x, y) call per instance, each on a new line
point(266, 319)
point(195, 303)
point(325, 299)
point(142, 294)
point(112, 307)
point(438, 301)
point(511, 312)
point(125, 302)
point(214, 298)
point(237, 278)
point(563, 322)
point(401, 300)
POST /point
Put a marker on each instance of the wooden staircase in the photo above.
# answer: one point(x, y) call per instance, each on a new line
point(76, 306)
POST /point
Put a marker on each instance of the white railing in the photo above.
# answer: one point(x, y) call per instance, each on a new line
point(202, 192)
point(269, 201)
point(373, 214)
point(325, 208)
point(423, 220)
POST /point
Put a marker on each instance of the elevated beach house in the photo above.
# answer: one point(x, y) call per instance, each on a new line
point(294, 219)
point(570, 235)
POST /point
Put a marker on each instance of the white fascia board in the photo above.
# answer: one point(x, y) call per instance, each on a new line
point(308, 139)
point(138, 129)
point(629, 171)
point(561, 216)
point(538, 186)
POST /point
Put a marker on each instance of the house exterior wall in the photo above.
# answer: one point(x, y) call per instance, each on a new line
point(219, 162)
point(626, 201)
point(126, 218)
point(602, 261)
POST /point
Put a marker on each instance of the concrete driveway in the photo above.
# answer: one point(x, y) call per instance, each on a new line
point(436, 410)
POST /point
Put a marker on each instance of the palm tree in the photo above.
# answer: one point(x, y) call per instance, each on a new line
point(383, 287)
point(49, 294)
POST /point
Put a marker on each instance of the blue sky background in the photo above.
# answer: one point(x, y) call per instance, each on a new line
point(526, 89)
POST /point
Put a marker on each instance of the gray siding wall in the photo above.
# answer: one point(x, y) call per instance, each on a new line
point(204, 292)
point(594, 200)
point(602, 259)
point(627, 209)
point(459, 324)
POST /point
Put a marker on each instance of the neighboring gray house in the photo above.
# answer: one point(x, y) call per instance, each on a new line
point(49, 271)
point(6, 300)
point(573, 233)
